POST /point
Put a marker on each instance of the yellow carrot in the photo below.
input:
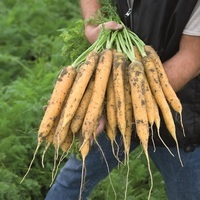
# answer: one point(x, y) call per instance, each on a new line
point(62, 86)
point(53, 110)
point(60, 135)
point(136, 79)
point(129, 123)
point(67, 143)
point(169, 92)
point(150, 107)
point(84, 152)
point(128, 111)
point(111, 111)
point(137, 53)
point(65, 147)
point(119, 64)
point(157, 123)
point(149, 102)
point(49, 138)
point(84, 74)
point(156, 88)
point(78, 118)
point(166, 87)
point(95, 106)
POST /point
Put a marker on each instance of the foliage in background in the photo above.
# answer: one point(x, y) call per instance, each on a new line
point(29, 31)
point(30, 59)
point(37, 38)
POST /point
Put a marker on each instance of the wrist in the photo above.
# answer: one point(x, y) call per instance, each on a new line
point(91, 32)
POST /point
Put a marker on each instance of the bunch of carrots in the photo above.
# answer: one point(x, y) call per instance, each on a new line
point(120, 77)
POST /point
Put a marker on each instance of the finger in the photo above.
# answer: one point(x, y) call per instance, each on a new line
point(112, 25)
point(99, 129)
point(101, 125)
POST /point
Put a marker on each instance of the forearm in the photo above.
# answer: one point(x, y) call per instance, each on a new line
point(89, 8)
point(185, 64)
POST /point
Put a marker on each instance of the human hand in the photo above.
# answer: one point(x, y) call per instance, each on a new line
point(100, 127)
point(92, 32)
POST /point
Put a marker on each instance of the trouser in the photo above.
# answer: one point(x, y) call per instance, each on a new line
point(182, 183)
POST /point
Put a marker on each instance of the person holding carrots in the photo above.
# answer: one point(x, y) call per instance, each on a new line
point(173, 29)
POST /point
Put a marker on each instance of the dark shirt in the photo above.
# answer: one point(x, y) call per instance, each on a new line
point(160, 23)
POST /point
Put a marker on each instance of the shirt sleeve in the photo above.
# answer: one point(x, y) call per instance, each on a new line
point(193, 25)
